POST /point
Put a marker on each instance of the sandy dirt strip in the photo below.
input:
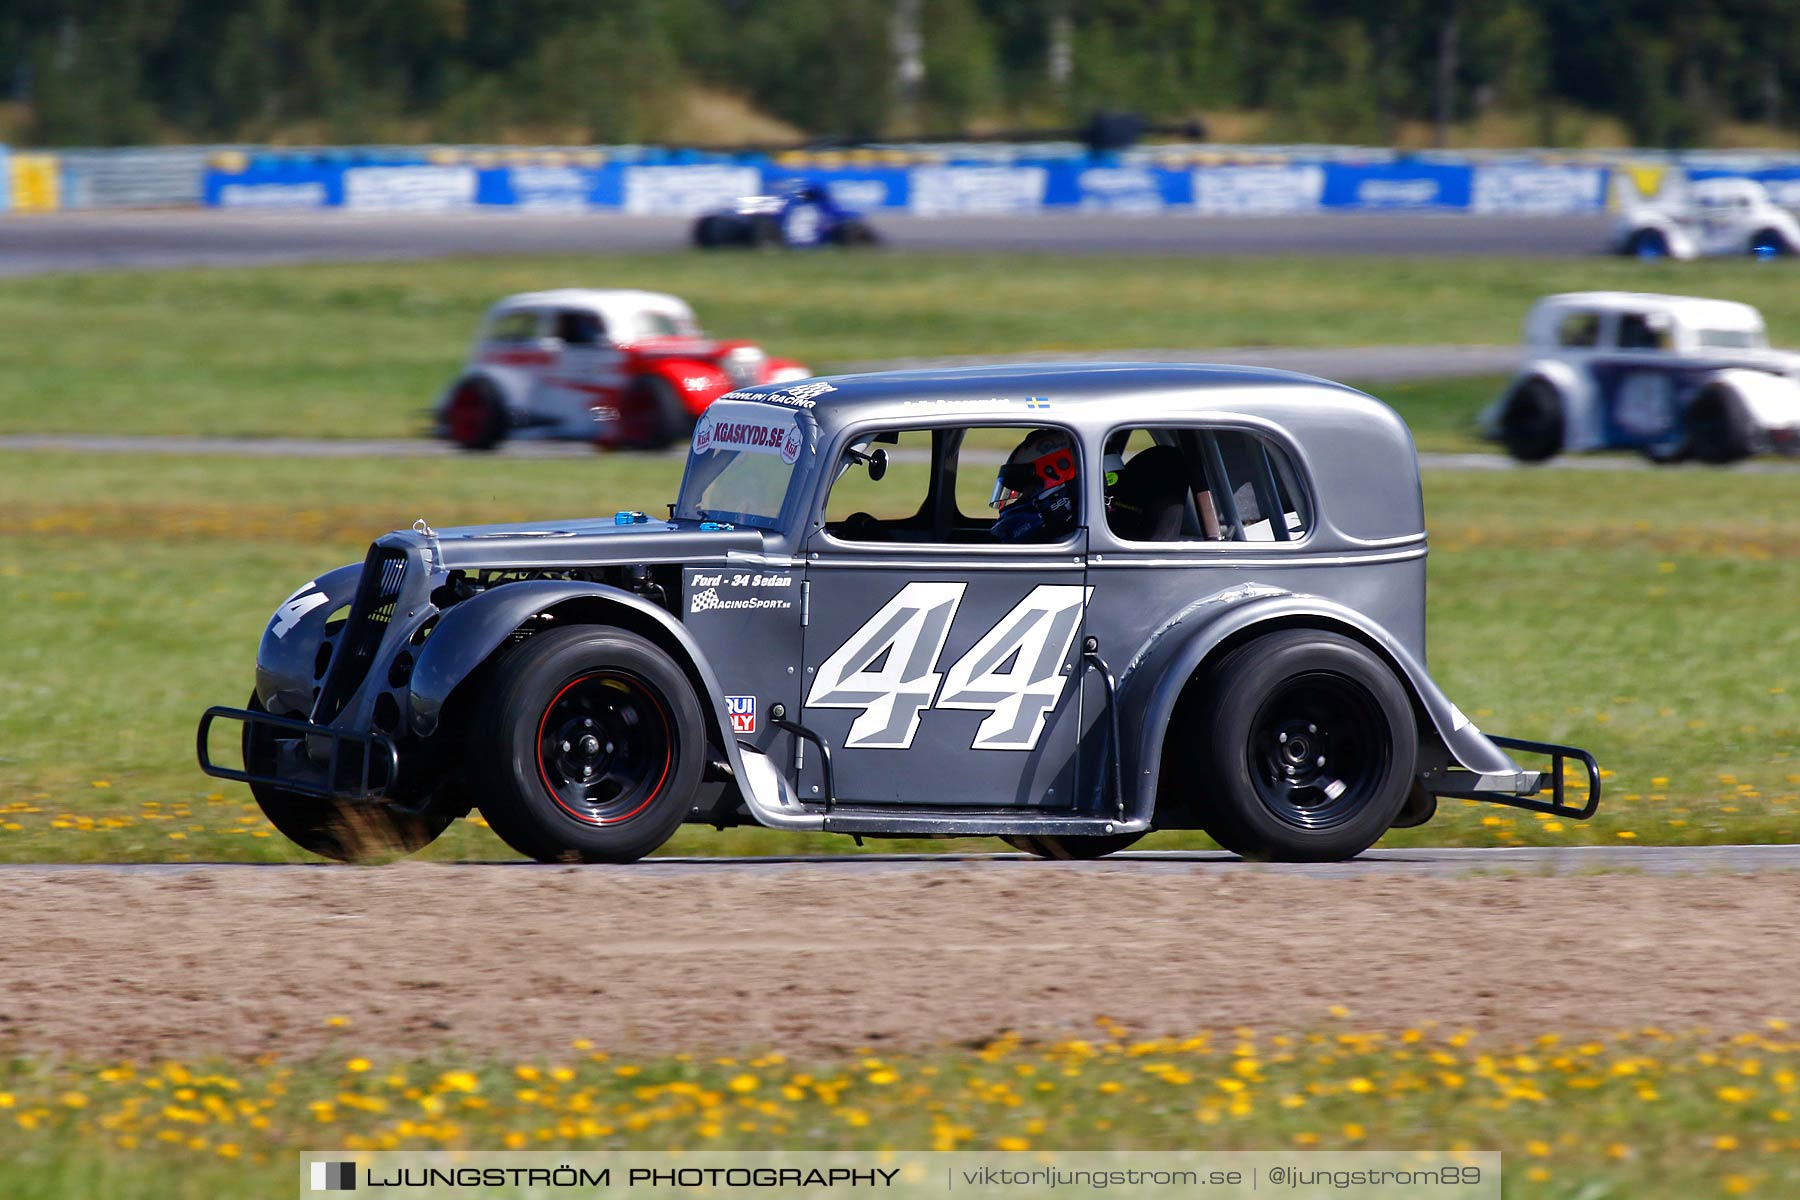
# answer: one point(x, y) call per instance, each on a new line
point(422, 957)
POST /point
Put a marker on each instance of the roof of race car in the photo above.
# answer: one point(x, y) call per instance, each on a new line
point(1083, 390)
point(595, 298)
point(1693, 310)
point(1356, 449)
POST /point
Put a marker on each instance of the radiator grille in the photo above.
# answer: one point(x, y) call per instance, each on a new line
point(376, 594)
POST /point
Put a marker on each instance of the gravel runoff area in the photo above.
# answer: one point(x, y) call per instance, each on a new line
point(102, 962)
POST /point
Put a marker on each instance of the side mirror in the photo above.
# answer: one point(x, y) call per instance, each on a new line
point(877, 465)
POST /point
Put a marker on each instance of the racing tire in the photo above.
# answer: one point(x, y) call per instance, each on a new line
point(765, 231)
point(475, 415)
point(716, 230)
point(1531, 424)
point(1769, 243)
point(856, 232)
point(666, 419)
point(1719, 427)
point(1071, 849)
point(1647, 243)
point(1309, 745)
point(335, 829)
point(589, 746)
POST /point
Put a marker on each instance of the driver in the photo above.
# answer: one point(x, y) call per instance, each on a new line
point(1034, 491)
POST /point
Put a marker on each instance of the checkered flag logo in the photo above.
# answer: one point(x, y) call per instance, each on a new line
point(333, 1177)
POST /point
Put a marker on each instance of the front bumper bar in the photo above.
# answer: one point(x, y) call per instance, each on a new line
point(329, 775)
point(1521, 790)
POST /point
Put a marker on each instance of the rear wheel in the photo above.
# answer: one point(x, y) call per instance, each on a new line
point(339, 829)
point(1531, 424)
point(857, 232)
point(1309, 748)
point(1719, 427)
point(475, 417)
point(589, 746)
point(1075, 848)
point(1648, 243)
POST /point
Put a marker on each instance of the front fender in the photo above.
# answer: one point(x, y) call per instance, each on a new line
point(287, 676)
point(697, 381)
point(1772, 401)
point(469, 632)
point(1152, 684)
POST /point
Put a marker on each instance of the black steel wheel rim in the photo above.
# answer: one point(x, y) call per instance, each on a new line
point(1318, 750)
point(605, 746)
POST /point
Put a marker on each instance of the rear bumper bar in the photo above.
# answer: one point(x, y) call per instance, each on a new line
point(1521, 789)
point(322, 768)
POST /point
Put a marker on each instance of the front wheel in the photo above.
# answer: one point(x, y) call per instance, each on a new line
point(1072, 848)
point(1719, 427)
point(856, 232)
point(1309, 746)
point(1769, 243)
point(337, 829)
point(589, 746)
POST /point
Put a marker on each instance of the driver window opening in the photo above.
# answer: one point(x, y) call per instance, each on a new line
point(968, 485)
point(1173, 484)
point(577, 328)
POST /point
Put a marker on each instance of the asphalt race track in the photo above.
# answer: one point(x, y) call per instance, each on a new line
point(1437, 862)
point(151, 239)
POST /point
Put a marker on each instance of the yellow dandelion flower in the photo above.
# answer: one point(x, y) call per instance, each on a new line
point(1354, 1132)
point(1737, 1185)
point(1012, 1143)
point(744, 1083)
point(357, 1065)
point(1725, 1141)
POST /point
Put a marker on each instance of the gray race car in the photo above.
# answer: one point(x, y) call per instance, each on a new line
point(1063, 606)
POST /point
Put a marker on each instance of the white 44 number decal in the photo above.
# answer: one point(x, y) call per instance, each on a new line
point(1013, 672)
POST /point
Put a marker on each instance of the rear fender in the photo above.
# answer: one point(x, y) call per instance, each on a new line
point(1153, 683)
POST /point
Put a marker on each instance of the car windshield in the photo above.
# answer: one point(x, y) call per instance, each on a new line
point(742, 462)
point(1733, 339)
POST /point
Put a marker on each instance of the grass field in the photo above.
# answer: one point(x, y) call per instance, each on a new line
point(1644, 1113)
point(363, 350)
point(1645, 615)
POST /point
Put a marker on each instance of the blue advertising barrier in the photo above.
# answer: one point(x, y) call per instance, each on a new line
point(665, 185)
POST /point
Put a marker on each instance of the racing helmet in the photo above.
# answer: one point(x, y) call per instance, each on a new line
point(1033, 490)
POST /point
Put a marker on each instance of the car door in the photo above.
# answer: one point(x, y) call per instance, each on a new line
point(938, 659)
point(586, 373)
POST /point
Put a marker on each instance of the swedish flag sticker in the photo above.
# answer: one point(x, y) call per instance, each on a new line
point(1037, 402)
point(334, 1177)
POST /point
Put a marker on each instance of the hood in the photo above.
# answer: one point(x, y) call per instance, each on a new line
point(553, 545)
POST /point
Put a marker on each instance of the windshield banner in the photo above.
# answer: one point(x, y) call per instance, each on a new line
point(758, 433)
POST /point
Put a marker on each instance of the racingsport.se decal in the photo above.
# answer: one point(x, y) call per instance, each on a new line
point(1013, 672)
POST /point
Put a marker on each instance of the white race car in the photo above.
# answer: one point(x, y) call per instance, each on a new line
point(1671, 376)
point(1712, 217)
point(611, 366)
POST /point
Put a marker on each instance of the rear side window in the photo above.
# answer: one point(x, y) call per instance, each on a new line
point(513, 327)
point(1579, 329)
point(1175, 484)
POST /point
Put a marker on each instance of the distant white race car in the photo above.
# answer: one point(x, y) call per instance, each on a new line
point(1710, 218)
point(1673, 377)
point(612, 366)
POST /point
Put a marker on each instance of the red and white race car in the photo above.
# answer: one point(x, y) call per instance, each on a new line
point(615, 367)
